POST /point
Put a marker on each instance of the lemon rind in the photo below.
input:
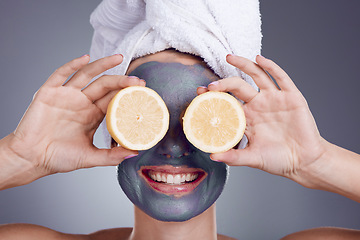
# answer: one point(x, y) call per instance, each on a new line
point(118, 136)
point(192, 107)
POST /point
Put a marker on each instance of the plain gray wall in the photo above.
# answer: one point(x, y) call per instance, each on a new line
point(316, 42)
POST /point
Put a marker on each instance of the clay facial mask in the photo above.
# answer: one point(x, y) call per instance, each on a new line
point(173, 181)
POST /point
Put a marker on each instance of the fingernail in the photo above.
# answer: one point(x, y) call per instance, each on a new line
point(143, 82)
point(211, 157)
point(131, 156)
point(119, 54)
point(215, 160)
point(133, 77)
point(214, 83)
point(85, 55)
point(230, 55)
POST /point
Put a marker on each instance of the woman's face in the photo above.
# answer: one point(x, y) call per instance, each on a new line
point(173, 181)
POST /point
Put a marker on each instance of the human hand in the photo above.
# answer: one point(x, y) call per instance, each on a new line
point(56, 132)
point(283, 137)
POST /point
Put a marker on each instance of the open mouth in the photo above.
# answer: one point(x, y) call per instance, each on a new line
point(172, 180)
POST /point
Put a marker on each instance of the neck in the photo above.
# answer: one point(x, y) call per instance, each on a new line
point(199, 227)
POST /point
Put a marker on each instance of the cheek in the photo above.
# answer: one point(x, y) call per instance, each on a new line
point(169, 208)
point(128, 180)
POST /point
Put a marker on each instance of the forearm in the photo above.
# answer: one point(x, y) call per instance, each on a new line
point(14, 169)
point(337, 170)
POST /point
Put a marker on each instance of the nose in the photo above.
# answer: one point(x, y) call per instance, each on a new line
point(175, 144)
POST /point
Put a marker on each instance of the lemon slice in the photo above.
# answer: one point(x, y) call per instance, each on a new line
point(137, 118)
point(214, 122)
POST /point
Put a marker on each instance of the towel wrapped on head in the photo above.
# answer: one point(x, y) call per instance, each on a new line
point(210, 29)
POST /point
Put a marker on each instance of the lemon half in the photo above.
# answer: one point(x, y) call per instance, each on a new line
point(214, 122)
point(137, 118)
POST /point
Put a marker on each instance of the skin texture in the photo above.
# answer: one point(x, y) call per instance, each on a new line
point(32, 151)
point(176, 84)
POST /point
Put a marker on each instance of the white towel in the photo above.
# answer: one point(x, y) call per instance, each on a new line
point(210, 29)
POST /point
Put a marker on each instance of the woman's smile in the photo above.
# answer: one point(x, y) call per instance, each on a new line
point(172, 180)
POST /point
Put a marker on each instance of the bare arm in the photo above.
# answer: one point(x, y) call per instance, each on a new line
point(327, 233)
point(35, 232)
point(337, 170)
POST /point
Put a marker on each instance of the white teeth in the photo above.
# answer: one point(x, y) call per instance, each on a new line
point(182, 178)
point(193, 177)
point(176, 179)
point(170, 179)
point(163, 178)
point(158, 177)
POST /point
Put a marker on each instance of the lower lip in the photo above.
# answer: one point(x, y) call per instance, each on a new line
point(177, 190)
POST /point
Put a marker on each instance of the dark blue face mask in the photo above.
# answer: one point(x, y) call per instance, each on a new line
point(173, 181)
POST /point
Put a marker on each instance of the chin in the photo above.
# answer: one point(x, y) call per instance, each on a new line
point(172, 190)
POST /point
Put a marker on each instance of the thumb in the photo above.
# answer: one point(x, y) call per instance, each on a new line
point(109, 157)
point(238, 157)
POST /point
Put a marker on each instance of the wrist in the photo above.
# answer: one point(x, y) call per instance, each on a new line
point(311, 172)
point(336, 170)
point(15, 169)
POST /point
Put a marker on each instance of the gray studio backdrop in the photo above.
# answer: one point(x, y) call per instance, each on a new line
point(317, 42)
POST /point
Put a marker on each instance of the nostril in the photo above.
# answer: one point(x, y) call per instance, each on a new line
point(174, 146)
point(176, 156)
